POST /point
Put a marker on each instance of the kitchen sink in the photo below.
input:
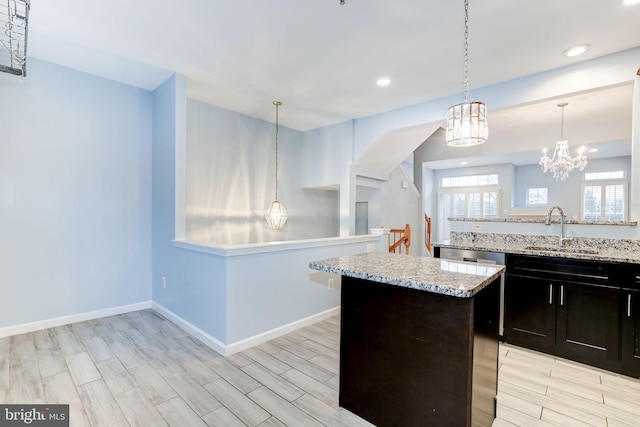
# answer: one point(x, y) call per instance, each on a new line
point(561, 249)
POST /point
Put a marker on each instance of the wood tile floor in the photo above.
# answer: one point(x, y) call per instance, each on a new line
point(139, 369)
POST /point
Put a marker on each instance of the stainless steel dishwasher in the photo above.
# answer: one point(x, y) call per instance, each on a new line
point(484, 257)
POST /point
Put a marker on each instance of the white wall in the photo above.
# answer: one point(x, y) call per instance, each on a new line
point(75, 195)
point(400, 206)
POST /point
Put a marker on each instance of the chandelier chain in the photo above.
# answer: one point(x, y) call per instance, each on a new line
point(466, 50)
point(562, 122)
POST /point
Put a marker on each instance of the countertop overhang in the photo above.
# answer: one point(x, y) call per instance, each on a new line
point(442, 276)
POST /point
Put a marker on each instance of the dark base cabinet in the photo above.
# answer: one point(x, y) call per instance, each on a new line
point(631, 332)
point(575, 309)
point(530, 315)
point(415, 358)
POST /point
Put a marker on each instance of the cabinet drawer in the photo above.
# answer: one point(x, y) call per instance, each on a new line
point(574, 270)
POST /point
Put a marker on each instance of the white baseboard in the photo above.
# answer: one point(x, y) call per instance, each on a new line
point(278, 332)
point(229, 349)
point(73, 318)
point(212, 342)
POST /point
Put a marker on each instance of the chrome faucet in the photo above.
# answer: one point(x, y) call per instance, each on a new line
point(548, 222)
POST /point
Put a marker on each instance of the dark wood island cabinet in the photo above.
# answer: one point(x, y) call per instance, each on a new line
point(419, 339)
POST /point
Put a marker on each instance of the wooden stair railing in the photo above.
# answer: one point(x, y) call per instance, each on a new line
point(398, 237)
point(427, 232)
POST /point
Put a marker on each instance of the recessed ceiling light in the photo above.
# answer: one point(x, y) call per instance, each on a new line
point(630, 2)
point(592, 150)
point(463, 163)
point(576, 50)
point(383, 81)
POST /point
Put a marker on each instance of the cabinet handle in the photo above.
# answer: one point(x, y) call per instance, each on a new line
point(629, 305)
point(561, 294)
point(551, 294)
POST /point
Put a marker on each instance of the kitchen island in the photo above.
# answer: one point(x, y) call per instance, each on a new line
point(418, 339)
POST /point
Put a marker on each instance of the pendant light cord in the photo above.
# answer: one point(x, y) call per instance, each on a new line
point(277, 104)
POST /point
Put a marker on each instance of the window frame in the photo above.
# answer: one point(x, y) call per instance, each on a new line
point(527, 196)
point(603, 201)
point(443, 226)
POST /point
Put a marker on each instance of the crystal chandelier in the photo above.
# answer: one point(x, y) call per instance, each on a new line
point(276, 215)
point(562, 163)
point(467, 122)
point(14, 21)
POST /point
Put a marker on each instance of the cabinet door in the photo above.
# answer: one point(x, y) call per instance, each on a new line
point(631, 332)
point(588, 323)
point(530, 312)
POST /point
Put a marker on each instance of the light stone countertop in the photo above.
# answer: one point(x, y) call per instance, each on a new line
point(594, 249)
point(454, 278)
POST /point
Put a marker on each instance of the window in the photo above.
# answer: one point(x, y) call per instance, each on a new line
point(469, 181)
point(604, 201)
point(470, 196)
point(537, 196)
point(594, 176)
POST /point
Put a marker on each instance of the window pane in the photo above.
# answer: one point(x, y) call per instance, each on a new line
point(444, 226)
point(592, 202)
point(469, 181)
point(537, 196)
point(594, 176)
point(474, 205)
point(617, 175)
point(458, 206)
point(614, 202)
point(490, 204)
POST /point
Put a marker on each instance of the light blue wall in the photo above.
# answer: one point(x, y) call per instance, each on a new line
point(75, 194)
point(328, 156)
point(231, 180)
point(195, 282)
point(567, 193)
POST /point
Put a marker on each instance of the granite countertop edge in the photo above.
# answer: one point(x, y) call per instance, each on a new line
point(607, 255)
point(442, 288)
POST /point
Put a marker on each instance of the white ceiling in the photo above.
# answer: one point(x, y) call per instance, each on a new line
point(320, 58)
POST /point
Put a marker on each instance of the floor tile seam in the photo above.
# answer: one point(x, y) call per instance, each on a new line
point(612, 411)
point(303, 361)
point(281, 379)
point(185, 400)
point(578, 421)
point(554, 405)
point(305, 411)
point(524, 395)
point(579, 397)
point(578, 381)
point(567, 385)
point(529, 366)
point(517, 376)
point(264, 364)
point(633, 404)
point(240, 417)
point(524, 415)
point(285, 400)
